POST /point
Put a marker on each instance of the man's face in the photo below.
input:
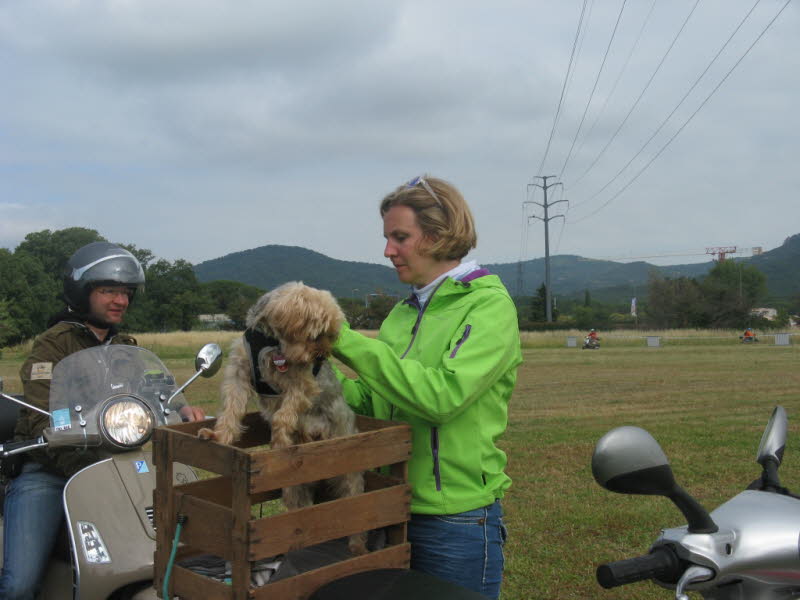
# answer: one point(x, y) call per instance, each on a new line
point(108, 303)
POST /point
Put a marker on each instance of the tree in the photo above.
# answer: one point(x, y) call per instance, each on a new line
point(732, 290)
point(53, 248)
point(232, 298)
point(539, 305)
point(675, 302)
point(172, 300)
point(28, 294)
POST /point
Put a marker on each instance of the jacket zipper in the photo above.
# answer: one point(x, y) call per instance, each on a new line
point(437, 475)
point(463, 339)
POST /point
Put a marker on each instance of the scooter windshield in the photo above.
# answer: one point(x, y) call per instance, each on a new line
point(89, 383)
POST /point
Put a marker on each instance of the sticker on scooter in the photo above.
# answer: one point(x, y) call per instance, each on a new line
point(61, 421)
point(141, 466)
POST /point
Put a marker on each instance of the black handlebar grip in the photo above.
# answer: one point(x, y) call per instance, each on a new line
point(662, 563)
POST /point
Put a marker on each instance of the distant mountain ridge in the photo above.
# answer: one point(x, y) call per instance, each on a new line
point(268, 266)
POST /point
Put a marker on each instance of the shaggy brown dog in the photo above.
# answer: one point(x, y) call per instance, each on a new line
point(281, 358)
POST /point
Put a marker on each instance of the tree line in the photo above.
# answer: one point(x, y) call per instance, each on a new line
point(31, 284)
point(724, 298)
point(31, 290)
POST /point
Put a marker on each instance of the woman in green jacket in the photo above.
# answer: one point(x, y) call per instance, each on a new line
point(445, 361)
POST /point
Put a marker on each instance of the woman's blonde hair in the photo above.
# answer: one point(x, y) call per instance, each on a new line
point(442, 214)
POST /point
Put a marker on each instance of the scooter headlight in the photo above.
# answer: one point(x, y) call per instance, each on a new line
point(127, 422)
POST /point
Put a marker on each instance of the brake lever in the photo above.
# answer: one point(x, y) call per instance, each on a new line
point(692, 575)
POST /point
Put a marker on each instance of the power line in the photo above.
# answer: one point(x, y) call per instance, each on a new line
point(702, 104)
point(563, 87)
point(616, 83)
point(635, 104)
point(594, 87)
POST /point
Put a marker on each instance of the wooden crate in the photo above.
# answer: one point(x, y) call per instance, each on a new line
point(218, 510)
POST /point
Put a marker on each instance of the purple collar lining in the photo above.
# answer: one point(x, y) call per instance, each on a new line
point(474, 275)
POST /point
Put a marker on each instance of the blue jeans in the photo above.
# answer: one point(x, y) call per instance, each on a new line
point(465, 548)
point(33, 515)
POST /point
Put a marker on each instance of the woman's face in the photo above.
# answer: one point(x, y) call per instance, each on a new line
point(404, 243)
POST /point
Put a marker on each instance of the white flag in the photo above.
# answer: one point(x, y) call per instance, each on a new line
point(633, 306)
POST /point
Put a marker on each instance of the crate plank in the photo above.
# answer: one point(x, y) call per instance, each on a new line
point(302, 586)
point(208, 525)
point(328, 521)
point(188, 584)
point(313, 461)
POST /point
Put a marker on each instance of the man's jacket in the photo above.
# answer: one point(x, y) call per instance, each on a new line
point(448, 369)
point(58, 342)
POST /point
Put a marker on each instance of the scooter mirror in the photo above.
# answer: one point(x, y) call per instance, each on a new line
point(209, 360)
point(628, 460)
point(773, 441)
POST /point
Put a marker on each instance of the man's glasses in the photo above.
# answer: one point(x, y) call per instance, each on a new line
point(114, 292)
point(426, 186)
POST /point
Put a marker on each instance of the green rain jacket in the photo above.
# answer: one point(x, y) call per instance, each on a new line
point(448, 369)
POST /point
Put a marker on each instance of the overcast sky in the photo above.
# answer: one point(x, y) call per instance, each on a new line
point(197, 128)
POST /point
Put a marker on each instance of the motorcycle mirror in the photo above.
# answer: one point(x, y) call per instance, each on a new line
point(208, 360)
point(207, 363)
point(628, 460)
point(773, 440)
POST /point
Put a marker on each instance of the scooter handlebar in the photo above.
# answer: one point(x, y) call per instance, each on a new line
point(662, 563)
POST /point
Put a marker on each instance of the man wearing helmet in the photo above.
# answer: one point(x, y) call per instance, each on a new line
point(100, 281)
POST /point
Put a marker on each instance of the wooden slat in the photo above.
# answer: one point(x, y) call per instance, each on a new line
point(285, 467)
point(302, 586)
point(364, 423)
point(240, 534)
point(204, 454)
point(163, 506)
point(188, 584)
point(328, 521)
point(220, 489)
point(208, 525)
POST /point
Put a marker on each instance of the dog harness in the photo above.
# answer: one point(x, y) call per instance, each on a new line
point(255, 341)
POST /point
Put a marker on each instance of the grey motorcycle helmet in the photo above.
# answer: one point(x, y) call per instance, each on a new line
point(95, 264)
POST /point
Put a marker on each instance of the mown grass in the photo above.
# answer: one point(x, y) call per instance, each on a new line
point(704, 396)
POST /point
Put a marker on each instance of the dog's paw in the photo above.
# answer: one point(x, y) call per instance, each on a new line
point(206, 434)
point(357, 544)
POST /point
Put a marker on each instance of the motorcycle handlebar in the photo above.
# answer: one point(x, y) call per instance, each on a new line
point(662, 563)
point(11, 448)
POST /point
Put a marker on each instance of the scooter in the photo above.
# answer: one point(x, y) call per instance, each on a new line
point(746, 549)
point(111, 397)
point(590, 343)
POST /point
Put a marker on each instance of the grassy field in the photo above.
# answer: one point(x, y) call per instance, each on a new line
point(704, 396)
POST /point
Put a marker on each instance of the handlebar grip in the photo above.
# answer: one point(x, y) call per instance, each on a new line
point(662, 563)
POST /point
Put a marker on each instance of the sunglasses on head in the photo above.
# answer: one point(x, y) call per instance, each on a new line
point(426, 186)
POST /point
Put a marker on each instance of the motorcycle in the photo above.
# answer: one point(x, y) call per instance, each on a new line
point(748, 339)
point(746, 549)
point(108, 397)
point(590, 343)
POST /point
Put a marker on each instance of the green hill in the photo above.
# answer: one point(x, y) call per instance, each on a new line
point(269, 266)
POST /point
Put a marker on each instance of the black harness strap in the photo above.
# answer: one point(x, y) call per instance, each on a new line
point(254, 342)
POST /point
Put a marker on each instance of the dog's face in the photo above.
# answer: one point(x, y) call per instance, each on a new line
point(305, 320)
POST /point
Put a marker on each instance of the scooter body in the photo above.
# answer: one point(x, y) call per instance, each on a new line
point(108, 506)
point(747, 549)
